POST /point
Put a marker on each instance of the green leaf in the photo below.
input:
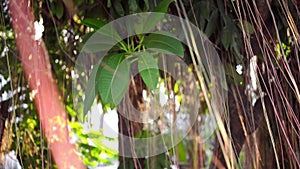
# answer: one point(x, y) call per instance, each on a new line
point(90, 163)
point(238, 55)
point(164, 43)
point(110, 32)
point(162, 6)
point(133, 6)
point(120, 82)
point(228, 32)
point(101, 40)
point(197, 17)
point(90, 92)
point(57, 8)
point(93, 23)
point(85, 38)
point(148, 69)
point(78, 2)
point(182, 152)
point(71, 112)
point(158, 161)
point(146, 5)
point(154, 18)
point(59, 12)
point(165, 33)
point(204, 8)
point(220, 7)
point(248, 27)
point(108, 3)
point(113, 79)
point(212, 23)
point(103, 43)
point(142, 134)
point(118, 7)
point(226, 37)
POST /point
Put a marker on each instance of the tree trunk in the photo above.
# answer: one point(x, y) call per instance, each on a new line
point(130, 128)
point(37, 68)
point(5, 135)
point(241, 124)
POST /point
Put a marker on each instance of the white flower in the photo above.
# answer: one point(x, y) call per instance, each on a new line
point(38, 29)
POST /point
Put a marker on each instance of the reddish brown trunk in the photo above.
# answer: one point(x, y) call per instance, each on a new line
point(47, 98)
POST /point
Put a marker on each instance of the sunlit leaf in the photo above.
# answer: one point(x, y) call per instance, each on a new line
point(71, 111)
point(182, 152)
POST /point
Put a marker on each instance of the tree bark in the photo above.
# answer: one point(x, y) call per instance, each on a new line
point(131, 128)
point(241, 124)
point(37, 68)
